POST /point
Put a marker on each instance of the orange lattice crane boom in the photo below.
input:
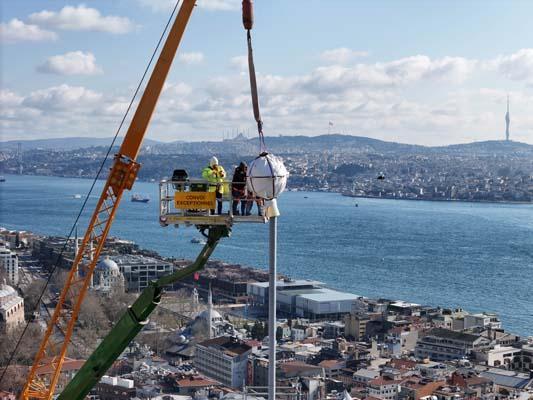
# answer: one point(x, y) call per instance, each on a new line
point(46, 369)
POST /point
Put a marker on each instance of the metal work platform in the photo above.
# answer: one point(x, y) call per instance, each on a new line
point(190, 202)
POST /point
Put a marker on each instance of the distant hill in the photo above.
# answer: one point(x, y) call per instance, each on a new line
point(283, 145)
point(489, 147)
point(290, 145)
point(339, 144)
point(70, 143)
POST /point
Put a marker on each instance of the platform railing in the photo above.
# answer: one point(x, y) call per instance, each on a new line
point(186, 202)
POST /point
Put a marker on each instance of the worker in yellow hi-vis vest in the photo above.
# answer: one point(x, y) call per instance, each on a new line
point(215, 174)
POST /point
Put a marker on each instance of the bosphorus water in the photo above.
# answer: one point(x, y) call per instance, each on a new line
point(471, 255)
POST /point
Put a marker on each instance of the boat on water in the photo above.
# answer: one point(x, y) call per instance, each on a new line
point(2, 178)
point(77, 196)
point(139, 198)
point(198, 241)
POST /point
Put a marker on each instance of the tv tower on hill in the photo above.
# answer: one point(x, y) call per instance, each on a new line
point(507, 121)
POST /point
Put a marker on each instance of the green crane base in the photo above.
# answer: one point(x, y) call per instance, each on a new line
point(132, 321)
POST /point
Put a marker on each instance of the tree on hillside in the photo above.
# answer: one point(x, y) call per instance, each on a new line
point(279, 333)
point(258, 330)
point(31, 296)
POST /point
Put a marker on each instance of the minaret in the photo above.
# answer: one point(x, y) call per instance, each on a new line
point(210, 313)
point(76, 245)
point(76, 249)
point(195, 300)
point(507, 121)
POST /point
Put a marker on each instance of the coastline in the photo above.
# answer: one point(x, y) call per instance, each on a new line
point(436, 200)
point(345, 194)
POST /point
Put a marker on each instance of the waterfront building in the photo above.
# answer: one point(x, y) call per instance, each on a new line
point(482, 320)
point(224, 359)
point(445, 345)
point(258, 291)
point(304, 298)
point(11, 308)
point(139, 270)
point(10, 264)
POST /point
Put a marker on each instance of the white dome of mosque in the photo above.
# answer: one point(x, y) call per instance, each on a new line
point(108, 265)
point(6, 290)
point(215, 315)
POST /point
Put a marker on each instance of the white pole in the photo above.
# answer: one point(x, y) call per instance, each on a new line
point(272, 310)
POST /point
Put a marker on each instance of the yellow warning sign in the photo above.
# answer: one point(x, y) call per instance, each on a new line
point(194, 200)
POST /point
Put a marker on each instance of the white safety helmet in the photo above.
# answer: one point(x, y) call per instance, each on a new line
point(213, 161)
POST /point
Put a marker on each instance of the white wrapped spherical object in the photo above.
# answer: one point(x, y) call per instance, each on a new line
point(267, 176)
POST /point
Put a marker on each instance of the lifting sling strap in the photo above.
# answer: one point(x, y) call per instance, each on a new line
point(247, 16)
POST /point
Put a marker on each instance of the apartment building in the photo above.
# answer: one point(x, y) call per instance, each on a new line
point(224, 359)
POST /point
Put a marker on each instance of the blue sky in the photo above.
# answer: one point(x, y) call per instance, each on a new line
point(426, 72)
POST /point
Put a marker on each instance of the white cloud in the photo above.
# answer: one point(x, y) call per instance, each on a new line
point(224, 5)
point(16, 31)
point(116, 108)
point(177, 89)
point(414, 99)
point(342, 55)
point(517, 66)
point(158, 5)
point(72, 63)
point(212, 5)
point(239, 62)
point(9, 98)
point(405, 70)
point(62, 97)
point(191, 58)
point(81, 18)
point(335, 78)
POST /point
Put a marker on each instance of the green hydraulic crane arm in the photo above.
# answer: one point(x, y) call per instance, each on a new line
point(132, 321)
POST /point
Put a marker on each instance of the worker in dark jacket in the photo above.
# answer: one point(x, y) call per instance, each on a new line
point(238, 186)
